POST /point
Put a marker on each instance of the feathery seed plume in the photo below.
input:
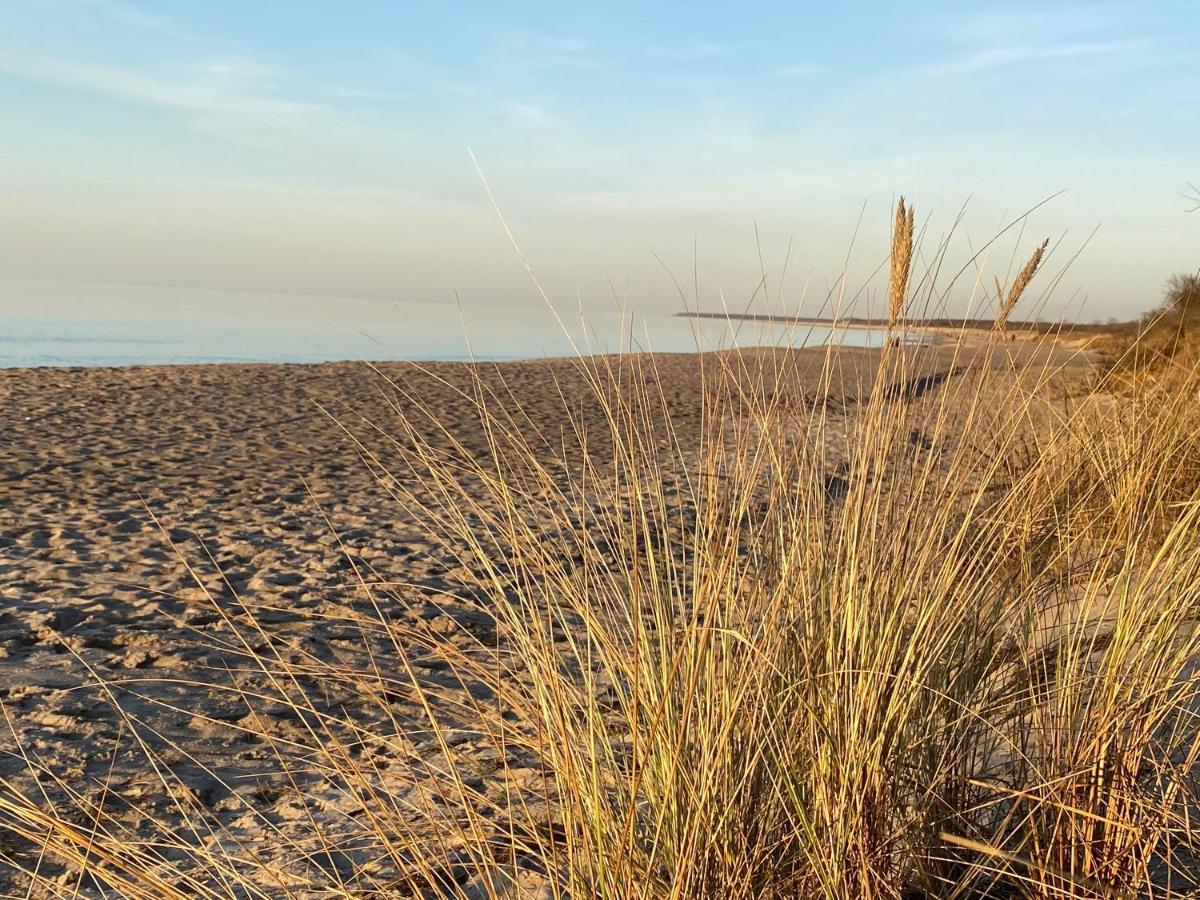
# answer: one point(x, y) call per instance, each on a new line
point(1018, 287)
point(902, 246)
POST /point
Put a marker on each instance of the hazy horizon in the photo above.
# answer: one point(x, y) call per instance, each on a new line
point(298, 149)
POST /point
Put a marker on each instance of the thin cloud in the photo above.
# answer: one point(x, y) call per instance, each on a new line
point(531, 115)
point(799, 71)
point(134, 17)
point(548, 51)
point(220, 98)
point(1004, 56)
point(698, 51)
point(306, 133)
point(239, 70)
point(567, 46)
point(1052, 23)
point(410, 70)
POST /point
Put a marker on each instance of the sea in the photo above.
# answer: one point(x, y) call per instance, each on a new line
point(51, 323)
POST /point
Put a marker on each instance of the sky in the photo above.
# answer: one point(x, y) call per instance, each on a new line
point(323, 148)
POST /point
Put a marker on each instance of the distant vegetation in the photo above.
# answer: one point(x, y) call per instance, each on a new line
point(1179, 313)
point(1167, 334)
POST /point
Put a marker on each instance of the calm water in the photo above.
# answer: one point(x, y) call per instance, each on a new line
point(58, 324)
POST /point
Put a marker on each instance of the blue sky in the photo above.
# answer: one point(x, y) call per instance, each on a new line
point(322, 147)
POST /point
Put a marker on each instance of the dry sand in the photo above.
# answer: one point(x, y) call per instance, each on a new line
point(260, 495)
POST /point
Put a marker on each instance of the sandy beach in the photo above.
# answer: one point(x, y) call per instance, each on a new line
point(140, 507)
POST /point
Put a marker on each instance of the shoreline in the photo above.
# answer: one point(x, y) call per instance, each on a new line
point(420, 363)
point(914, 331)
point(376, 362)
point(942, 326)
